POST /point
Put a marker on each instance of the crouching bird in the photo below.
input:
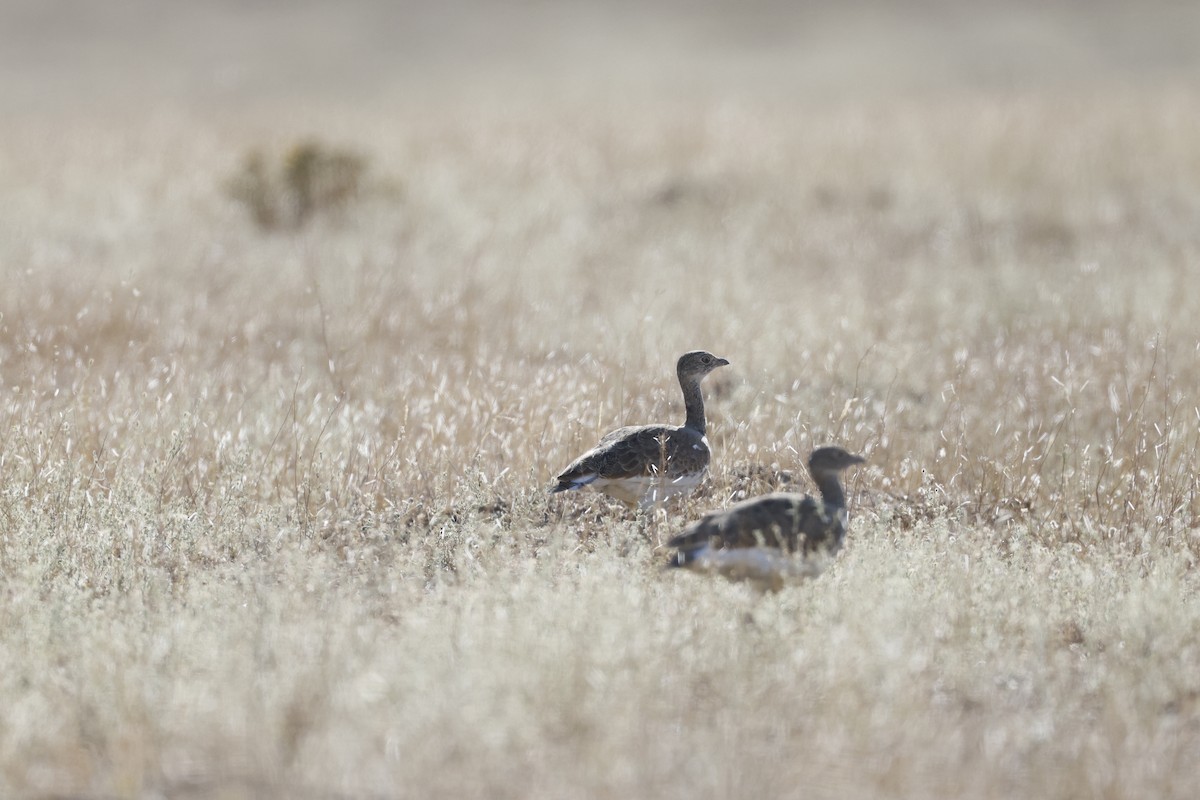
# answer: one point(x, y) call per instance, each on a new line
point(758, 539)
point(644, 464)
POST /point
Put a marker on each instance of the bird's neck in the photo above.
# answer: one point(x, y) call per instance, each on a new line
point(693, 403)
point(831, 490)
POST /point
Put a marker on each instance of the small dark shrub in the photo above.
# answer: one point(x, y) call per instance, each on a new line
point(308, 179)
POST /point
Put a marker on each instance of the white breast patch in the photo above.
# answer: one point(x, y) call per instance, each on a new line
point(766, 566)
point(647, 490)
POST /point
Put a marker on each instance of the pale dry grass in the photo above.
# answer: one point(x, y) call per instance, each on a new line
point(274, 506)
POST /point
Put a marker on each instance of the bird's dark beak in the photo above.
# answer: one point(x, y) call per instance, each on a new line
point(720, 362)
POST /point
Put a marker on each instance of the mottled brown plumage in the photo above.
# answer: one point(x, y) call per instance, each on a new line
point(645, 463)
point(792, 523)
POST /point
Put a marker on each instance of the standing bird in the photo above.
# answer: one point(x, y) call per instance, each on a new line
point(749, 539)
point(642, 464)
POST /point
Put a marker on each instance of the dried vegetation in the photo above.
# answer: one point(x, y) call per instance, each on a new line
point(274, 511)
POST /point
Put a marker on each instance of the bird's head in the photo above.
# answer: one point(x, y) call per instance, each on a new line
point(832, 459)
point(698, 363)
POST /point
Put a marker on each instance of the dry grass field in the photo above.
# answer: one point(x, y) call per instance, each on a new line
point(273, 510)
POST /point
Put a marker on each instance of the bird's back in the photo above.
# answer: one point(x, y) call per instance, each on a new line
point(790, 522)
point(642, 450)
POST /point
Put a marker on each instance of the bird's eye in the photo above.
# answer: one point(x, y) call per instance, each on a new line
point(707, 359)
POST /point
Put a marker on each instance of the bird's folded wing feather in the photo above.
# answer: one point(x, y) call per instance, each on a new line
point(786, 521)
point(642, 450)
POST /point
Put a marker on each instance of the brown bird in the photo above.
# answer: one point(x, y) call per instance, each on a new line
point(772, 524)
point(643, 464)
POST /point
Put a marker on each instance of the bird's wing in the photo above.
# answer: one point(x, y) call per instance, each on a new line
point(790, 522)
point(641, 450)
